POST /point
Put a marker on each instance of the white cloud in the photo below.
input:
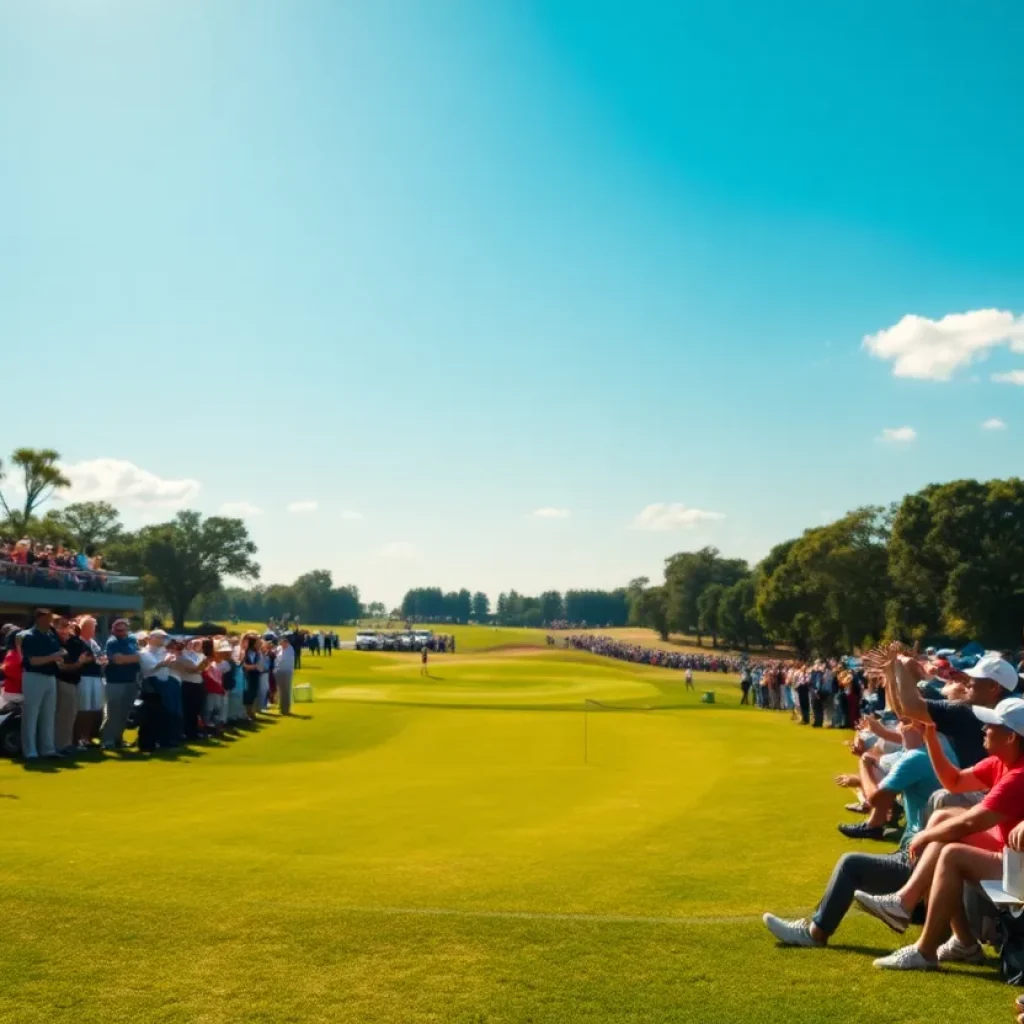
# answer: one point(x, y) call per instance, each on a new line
point(995, 423)
point(398, 551)
point(551, 513)
point(239, 510)
point(672, 517)
point(898, 435)
point(302, 506)
point(350, 515)
point(934, 349)
point(124, 483)
point(1011, 377)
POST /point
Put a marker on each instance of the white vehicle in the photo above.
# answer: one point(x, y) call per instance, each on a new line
point(407, 642)
point(367, 641)
point(422, 638)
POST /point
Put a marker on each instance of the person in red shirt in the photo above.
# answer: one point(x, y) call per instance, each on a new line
point(12, 667)
point(959, 845)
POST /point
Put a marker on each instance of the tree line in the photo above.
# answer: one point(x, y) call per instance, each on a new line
point(944, 565)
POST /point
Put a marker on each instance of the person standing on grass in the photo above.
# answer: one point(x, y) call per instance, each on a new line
point(40, 653)
point(284, 668)
point(424, 670)
point(155, 667)
point(251, 667)
point(191, 663)
point(122, 671)
point(90, 686)
point(689, 678)
point(69, 671)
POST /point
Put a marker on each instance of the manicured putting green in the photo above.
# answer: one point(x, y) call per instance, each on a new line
point(438, 850)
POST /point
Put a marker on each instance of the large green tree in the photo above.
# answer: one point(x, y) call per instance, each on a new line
point(649, 608)
point(40, 476)
point(827, 590)
point(709, 609)
point(737, 620)
point(83, 525)
point(687, 575)
point(956, 560)
point(186, 558)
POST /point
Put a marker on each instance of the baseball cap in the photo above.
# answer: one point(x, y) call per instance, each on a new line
point(159, 634)
point(1008, 713)
point(992, 665)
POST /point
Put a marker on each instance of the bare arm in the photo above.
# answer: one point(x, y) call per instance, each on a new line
point(912, 704)
point(125, 659)
point(868, 768)
point(952, 778)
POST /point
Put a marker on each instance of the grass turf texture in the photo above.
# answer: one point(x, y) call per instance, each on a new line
point(437, 850)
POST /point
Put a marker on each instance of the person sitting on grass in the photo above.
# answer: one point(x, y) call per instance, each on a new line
point(877, 800)
point(913, 776)
point(959, 845)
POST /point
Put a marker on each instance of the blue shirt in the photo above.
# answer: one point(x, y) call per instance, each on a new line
point(35, 643)
point(122, 673)
point(914, 777)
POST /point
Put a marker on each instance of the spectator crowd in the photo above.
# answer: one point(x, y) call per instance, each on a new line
point(74, 693)
point(25, 563)
point(609, 647)
point(939, 749)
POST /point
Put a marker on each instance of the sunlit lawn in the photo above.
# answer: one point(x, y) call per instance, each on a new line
point(411, 849)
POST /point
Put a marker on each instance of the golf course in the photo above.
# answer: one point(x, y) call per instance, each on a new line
point(480, 845)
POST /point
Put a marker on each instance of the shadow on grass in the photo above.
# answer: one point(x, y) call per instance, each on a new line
point(48, 766)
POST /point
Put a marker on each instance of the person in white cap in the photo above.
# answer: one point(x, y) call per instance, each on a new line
point(991, 680)
point(959, 845)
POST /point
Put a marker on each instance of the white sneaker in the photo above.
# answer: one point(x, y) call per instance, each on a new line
point(906, 959)
point(791, 933)
point(953, 951)
point(885, 908)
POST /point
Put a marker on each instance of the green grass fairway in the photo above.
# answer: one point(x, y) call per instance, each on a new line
point(410, 849)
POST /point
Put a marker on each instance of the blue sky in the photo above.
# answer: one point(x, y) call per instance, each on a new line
point(426, 268)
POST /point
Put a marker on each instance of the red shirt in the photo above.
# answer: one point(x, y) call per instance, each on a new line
point(1005, 792)
point(211, 681)
point(12, 671)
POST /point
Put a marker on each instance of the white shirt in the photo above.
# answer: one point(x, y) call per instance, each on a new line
point(285, 659)
point(194, 658)
point(151, 663)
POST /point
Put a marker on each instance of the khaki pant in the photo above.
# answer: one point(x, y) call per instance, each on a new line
point(67, 712)
point(120, 699)
point(284, 692)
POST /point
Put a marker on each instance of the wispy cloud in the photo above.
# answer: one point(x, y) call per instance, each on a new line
point(995, 423)
point(239, 509)
point(398, 551)
point(302, 506)
point(898, 435)
point(350, 515)
point(1010, 377)
point(551, 513)
point(935, 349)
point(661, 517)
point(124, 483)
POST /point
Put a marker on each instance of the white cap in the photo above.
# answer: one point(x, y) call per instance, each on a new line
point(993, 666)
point(1008, 713)
point(158, 634)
